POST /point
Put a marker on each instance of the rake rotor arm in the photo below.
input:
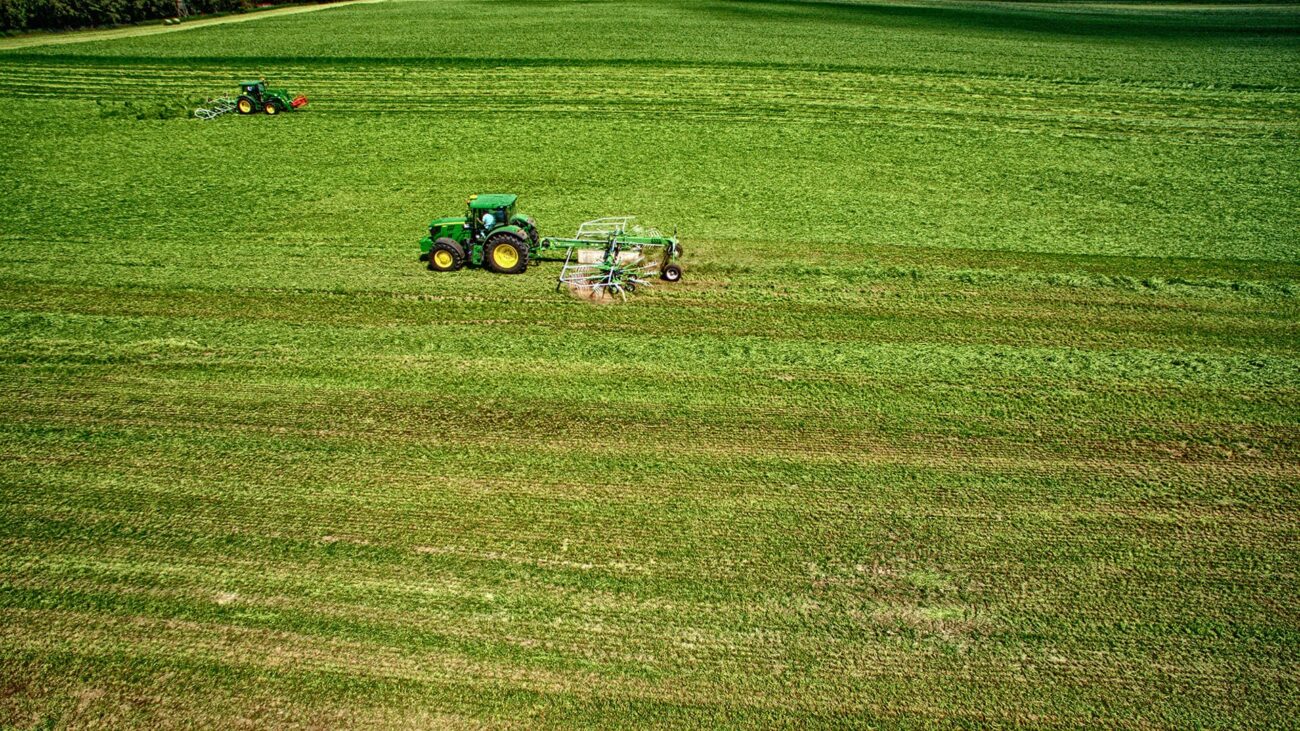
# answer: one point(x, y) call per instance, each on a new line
point(625, 263)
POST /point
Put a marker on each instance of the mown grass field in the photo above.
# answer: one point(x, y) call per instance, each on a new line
point(978, 406)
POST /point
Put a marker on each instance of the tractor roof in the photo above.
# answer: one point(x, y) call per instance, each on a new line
point(492, 200)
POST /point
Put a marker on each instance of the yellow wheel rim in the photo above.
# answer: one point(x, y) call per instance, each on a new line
point(271, 109)
point(505, 256)
point(442, 259)
point(245, 106)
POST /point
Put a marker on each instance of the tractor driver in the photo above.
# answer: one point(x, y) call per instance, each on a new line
point(487, 221)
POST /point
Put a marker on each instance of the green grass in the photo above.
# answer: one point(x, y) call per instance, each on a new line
point(977, 407)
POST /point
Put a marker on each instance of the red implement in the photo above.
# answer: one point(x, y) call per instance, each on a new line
point(298, 101)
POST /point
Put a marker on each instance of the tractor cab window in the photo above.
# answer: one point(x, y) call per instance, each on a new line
point(491, 218)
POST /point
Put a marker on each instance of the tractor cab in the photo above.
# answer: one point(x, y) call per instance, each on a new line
point(488, 212)
point(253, 89)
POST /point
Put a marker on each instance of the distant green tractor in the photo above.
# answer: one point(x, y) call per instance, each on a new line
point(491, 234)
point(254, 96)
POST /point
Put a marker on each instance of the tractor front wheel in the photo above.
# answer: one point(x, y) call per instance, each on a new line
point(245, 105)
point(506, 253)
point(271, 108)
point(446, 255)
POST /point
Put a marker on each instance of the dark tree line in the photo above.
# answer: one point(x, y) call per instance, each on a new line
point(57, 14)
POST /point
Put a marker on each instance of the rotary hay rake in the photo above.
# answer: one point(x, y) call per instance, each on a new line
point(610, 276)
point(214, 108)
point(623, 258)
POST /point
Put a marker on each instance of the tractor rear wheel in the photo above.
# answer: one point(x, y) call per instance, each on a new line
point(671, 273)
point(271, 107)
point(446, 255)
point(506, 253)
point(245, 105)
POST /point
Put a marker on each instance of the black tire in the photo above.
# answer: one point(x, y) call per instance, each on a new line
point(671, 273)
point(455, 253)
point(245, 105)
point(502, 262)
point(530, 227)
point(272, 107)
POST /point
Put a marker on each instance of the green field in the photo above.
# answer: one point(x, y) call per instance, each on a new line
point(979, 405)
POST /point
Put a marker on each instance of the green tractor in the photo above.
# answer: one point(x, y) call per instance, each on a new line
point(254, 97)
point(491, 234)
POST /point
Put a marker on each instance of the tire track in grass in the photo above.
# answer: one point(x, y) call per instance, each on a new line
point(1105, 447)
